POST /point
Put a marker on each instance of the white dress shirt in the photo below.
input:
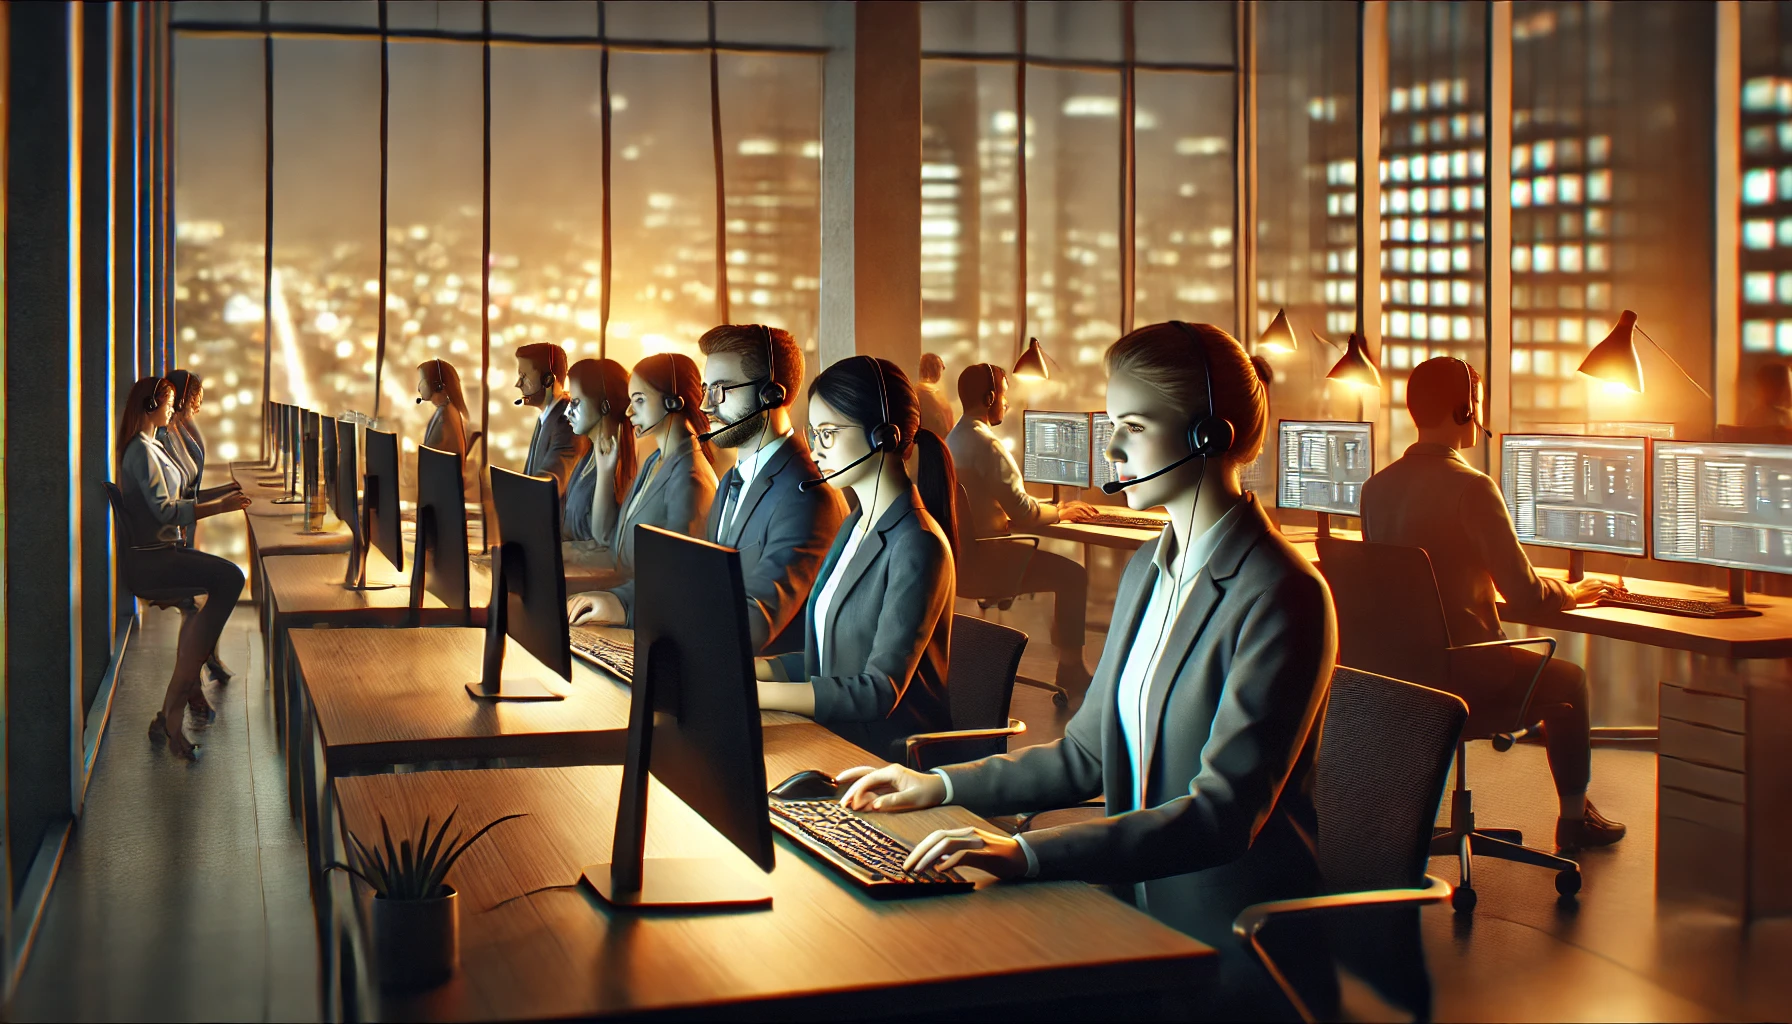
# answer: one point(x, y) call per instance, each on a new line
point(748, 467)
point(1176, 579)
point(824, 598)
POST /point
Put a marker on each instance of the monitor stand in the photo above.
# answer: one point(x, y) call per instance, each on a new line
point(1323, 526)
point(633, 881)
point(356, 578)
point(1738, 586)
point(1577, 566)
point(493, 684)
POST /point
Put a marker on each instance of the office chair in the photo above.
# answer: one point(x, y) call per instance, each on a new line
point(180, 598)
point(991, 572)
point(1384, 758)
point(979, 686)
point(1391, 621)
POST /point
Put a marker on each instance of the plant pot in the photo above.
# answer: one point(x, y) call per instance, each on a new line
point(416, 943)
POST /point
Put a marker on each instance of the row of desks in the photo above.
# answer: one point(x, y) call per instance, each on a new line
point(356, 703)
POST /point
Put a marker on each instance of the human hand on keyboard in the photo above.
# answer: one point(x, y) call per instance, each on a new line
point(1589, 590)
point(891, 788)
point(594, 608)
point(1075, 511)
point(950, 848)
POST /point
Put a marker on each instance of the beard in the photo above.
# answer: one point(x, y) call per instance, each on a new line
point(740, 432)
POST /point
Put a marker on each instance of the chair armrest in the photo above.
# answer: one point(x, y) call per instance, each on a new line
point(921, 740)
point(1251, 920)
point(1503, 741)
point(1522, 641)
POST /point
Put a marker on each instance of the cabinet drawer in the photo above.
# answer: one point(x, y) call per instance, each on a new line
point(1702, 745)
point(1702, 780)
point(1703, 708)
point(1718, 814)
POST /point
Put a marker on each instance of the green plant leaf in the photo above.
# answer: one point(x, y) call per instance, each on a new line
point(391, 854)
point(372, 865)
point(448, 860)
point(430, 860)
point(407, 868)
point(370, 883)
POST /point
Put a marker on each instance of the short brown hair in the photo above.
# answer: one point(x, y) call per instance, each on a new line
point(932, 368)
point(1438, 388)
point(976, 382)
point(747, 341)
point(1168, 357)
point(547, 357)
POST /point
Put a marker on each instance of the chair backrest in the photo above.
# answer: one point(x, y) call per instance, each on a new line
point(115, 498)
point(1390, 618)
point(980, 679)
point(1384, 758)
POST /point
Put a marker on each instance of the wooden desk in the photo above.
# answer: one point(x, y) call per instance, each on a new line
point(1768, 635)
point(368, 700)
point(822, 950)
point(285, 535)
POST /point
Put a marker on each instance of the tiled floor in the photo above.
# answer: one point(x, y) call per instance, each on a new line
point(183, 895)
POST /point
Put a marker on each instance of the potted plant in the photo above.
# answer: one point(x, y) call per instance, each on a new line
point(416, 919)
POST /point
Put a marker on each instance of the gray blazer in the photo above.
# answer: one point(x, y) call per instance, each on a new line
point(154, 490)
point(553, 448)
point(889, 630)
point(447, 431)
point(676, 498)
point(174, 444)
point(782, 534)
point(1234, 723)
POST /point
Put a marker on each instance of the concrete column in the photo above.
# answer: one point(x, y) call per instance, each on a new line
point(43, 456)
point(96, 385)
point(1498, 377)
point(871, 183)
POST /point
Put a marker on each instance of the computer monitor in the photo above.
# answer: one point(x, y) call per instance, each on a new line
point(379, 493)
point(329, 428)
point(439, 559)
point(1055, 448)
point(291, 428)
point(351, 510)
point(1583, 493)
point(1101, 431)
point(1728, 505)
point(694, 725)
point(1323, 464)
point(528, 602)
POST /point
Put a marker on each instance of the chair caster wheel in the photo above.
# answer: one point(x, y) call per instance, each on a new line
point(1568, 882)
point(1061, 699)
point(1463, 899)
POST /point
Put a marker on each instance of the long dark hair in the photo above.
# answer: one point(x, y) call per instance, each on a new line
point(849, 387)
point(672, 373)
point(146, 395)
point(605, 381)
point(442, 376)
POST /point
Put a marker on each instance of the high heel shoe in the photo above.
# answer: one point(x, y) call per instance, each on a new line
point(178, 744)
point(202, 709)
point(215, 666)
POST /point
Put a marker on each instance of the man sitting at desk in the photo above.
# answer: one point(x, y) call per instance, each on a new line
point(751, 374)
point(1430, 498)
point(999, 504)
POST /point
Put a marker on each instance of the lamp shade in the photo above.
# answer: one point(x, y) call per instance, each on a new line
point(1032, 365)
point(1278, 337)
point(1355, 366)
point(1615, 360)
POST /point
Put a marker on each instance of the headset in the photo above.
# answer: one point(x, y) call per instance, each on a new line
point(180, 396)
point(885, 437)
point(772, 394)
point(1464, 414)
point(547, 384)
point(1209, 436)
point(671, 399)
point(990, 401)
point(441, 381)
point(153, 400)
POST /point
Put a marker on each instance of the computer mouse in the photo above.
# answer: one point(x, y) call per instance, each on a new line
point(807, 785)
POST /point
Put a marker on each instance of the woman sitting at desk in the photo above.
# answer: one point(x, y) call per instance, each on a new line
point(152, 484)
point(601, 481)
point(677, 483)
point(182, 440)
point(439, 385)
point(879, 622)
point(1202, 723)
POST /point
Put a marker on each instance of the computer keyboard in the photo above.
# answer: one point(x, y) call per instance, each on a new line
point(1124, 521)
point(1676, 605)
point(861, 851)
point(613, 657)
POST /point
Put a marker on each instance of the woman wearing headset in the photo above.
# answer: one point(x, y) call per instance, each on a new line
point(676, 484)
point(152, 485)
point(1201, 726)
point(182, 440)
point(600, 483)
point(439, 385)
point(878, 624)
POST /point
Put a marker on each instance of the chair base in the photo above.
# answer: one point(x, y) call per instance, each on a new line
point(1466, 841)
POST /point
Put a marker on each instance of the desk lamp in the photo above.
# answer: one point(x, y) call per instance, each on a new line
point(1278, 337)
point(1032, 363)
point(1615, 360)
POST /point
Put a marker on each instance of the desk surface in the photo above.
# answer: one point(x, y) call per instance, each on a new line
point(1768, 635)
point(382, 697)
point(311, 586)
point(822, 949)
point(285, 535)
point(1103, 536)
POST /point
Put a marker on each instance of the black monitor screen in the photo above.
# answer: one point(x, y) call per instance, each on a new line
point(348, 482)
point(528, 514)
point(441, 549)
point(330, 428)
point(1581, 493)
point(1056, 448)
point(1323, 465)
point(1723, 504)
point(381, 495)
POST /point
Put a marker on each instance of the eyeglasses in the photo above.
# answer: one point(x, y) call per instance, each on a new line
point(716, 394)
point(822, 438)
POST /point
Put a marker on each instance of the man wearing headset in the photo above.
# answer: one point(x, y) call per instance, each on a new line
point(999, 504)
point(751, 374)
point(541, 377)
point(1430, 498)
